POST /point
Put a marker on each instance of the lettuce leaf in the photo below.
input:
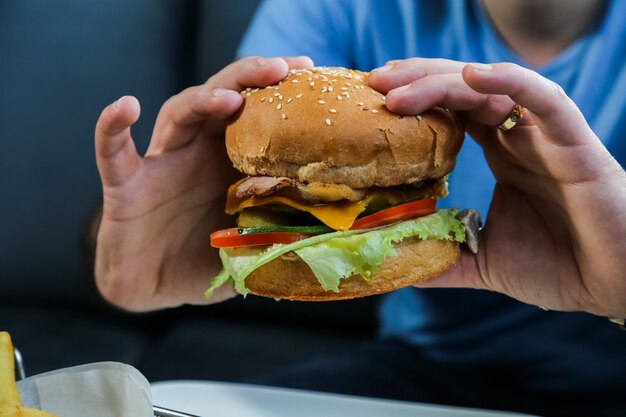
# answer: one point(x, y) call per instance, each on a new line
point(337, 255)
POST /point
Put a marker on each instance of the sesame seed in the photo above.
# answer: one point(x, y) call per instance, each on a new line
point(374, 111)
point(248, 89)
point(373, 93)
point(299, 95)
point(324, 89)
point(327, 122)
point(280, 97)
point(271, 100)
point(247, 94)
point(312, 83)
point(344, 88)
point(333, 110)
point(418, 117)
point(347, 95)
point(339, 98)
point(366, 108)
point(349, 84)
point(360, 103)
point(321, 102)
point(262, 99)
point(276, 94)
point(280, 106)
point(331, 88)
point(295, 80)
point(255, 90)
point(284, 116)
point(289, 100)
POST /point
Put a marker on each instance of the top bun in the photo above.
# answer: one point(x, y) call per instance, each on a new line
point(327, 125)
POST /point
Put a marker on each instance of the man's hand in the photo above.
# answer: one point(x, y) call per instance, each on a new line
point(555, 230)
point(153, 243)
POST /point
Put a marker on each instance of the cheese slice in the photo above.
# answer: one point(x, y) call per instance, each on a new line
point(338, 216)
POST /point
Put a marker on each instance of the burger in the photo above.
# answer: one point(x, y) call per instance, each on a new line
point(338, 198)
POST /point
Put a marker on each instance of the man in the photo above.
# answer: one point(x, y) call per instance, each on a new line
point(555, 224)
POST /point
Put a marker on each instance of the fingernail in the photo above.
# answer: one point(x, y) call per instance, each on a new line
point(221, 91)
point(305, 57)
point(400, 89)
point(116, 104)
point(481, 67)
point(386, 68)
point(265, 61)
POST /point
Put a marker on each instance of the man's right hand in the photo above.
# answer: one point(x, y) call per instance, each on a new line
point(153, 243)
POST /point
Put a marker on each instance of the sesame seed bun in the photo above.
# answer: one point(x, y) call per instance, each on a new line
point(289, 277)
point(327, 125)
point(327, 129)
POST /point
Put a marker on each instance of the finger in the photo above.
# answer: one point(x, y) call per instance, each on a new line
point(298, 62)
point(184, 114)
point(555, 112)
point(395, 74)
point(449, 91)
point(216, 100)
point(116, 155)
point(256, 72)
point(217, 96)
point(464, 274)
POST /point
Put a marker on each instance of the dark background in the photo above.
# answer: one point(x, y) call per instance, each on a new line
point(61, 63)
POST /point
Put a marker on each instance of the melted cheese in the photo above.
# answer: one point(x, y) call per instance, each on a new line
point(339, 216)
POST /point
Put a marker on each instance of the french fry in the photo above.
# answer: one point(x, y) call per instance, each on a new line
point(8, 389)
point(9, 396)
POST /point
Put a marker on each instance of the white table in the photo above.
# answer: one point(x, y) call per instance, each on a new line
point(208, 399)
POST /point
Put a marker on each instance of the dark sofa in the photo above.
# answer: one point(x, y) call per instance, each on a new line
point(62, 62)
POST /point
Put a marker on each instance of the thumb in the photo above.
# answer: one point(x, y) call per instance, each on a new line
point(465, 273)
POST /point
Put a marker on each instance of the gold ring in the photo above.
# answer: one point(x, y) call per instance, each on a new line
point(515, 116)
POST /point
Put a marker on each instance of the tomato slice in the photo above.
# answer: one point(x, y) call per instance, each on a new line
point(397, 213)
point(229, 238)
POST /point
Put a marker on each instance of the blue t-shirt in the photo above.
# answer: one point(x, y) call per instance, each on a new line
point(573, 351)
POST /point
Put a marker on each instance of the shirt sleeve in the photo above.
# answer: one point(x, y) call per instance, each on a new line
point(319, 29)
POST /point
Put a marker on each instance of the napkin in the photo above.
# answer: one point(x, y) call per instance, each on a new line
point(104, 389)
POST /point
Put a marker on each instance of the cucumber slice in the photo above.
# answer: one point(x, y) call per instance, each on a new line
point(307, 230)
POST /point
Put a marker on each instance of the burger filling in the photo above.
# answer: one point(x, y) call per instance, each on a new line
point(281, 201)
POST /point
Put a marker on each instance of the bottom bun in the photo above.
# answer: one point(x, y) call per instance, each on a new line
point(417, 261)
